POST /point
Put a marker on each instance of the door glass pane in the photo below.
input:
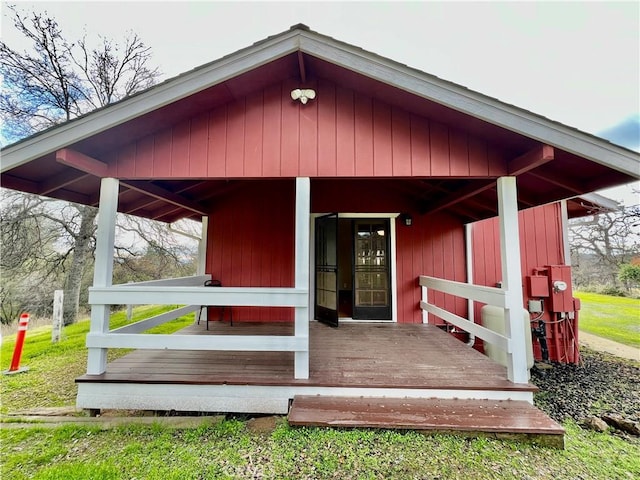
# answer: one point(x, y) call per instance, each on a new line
point(371, 265)
point(326, 295)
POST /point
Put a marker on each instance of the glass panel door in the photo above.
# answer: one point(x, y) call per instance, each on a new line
point(326, 261)
point(372, 286)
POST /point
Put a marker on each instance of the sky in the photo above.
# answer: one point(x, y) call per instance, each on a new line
point(573, 62)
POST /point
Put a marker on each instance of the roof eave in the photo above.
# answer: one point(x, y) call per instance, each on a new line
point(471, 103)
point(346, 56)
point(604, 203)
point(156, 97)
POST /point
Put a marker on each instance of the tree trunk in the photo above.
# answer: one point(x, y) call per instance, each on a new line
point(82, 251)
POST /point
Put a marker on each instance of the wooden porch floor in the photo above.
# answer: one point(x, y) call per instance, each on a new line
point(361, 374)
point(366, 355)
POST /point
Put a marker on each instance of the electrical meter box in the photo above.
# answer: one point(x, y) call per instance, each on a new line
point(538, 286)
point(560, 291)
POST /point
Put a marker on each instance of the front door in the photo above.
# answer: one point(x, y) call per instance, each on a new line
point(326, 261)
point(371, 270)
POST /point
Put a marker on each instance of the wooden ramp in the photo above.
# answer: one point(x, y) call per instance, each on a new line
point(500, 418)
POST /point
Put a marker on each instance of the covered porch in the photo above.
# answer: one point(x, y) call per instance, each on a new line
point(297, 298)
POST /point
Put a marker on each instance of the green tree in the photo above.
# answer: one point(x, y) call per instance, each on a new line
point(629, 274)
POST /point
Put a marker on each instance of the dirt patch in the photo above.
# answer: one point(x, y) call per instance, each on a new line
point(263, 424)
point(600, 344)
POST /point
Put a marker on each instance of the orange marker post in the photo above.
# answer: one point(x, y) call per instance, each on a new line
point(17, 351)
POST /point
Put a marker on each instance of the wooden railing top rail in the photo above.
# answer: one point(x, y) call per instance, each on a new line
point(200, 295)
point(190, 281)
point(478, 293)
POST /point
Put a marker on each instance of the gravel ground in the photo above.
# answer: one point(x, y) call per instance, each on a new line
point(601, 385)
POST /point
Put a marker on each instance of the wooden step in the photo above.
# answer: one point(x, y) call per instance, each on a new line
point(499, 418)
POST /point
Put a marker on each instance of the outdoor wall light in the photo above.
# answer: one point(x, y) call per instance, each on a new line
point(303, 94)
point(407, 219)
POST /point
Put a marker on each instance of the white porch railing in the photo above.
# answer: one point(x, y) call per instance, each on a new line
point(478, 293)
point(190, 291)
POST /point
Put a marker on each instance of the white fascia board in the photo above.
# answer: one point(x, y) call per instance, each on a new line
point(472, 103)
point(600, 201)
point(156, 97)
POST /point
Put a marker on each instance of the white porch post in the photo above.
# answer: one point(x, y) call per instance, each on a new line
point(103, 270)
point(202, 247)
point(303, 209)
point(202, 260)
point(512, 279)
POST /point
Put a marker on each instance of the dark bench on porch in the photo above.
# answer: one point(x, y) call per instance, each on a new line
point(215, 283)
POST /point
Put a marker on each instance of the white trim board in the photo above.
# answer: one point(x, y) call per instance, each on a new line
point(393, 256)
point(251, 398)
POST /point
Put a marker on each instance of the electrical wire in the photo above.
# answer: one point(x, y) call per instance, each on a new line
point(531, 320)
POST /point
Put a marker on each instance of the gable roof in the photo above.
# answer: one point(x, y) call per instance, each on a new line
point(303, 51)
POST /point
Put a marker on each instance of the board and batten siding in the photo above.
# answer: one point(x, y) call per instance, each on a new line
point(341, 133)
point(251, 229)
point(541, 243)
point(250, 243)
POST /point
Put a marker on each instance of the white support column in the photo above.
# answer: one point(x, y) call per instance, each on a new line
point(202, 247)
point(103, 270)
point(303, 210)
point(468, 247)
point(512, 279)
point(202, 263)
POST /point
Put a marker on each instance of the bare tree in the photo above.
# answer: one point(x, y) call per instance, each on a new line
point(602, 243)
point(29, 259)
point(153, 251)
point(57, 80)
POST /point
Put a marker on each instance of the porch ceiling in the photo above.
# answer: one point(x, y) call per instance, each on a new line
point(310, 58)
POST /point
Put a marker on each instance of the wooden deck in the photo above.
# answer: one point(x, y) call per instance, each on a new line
point(361, 375)
point(355, 360)
point(353, 355)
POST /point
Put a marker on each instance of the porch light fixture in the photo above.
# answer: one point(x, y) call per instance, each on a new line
point(304, 95)
point(407, 219)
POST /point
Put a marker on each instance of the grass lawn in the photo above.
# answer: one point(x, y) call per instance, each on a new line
point(53, 368)
point(231, 449)
point(615, 318)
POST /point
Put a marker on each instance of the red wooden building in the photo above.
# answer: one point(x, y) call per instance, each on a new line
point(334, 185)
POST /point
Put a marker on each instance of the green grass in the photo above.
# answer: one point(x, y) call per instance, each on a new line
point(53, 368)
point(615, 318)
point(229, 450)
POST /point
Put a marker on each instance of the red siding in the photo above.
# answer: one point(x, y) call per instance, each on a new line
point(433, 246)
point(251, 243)
point(327, 131)
point(341, 133)
point(541, 243)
